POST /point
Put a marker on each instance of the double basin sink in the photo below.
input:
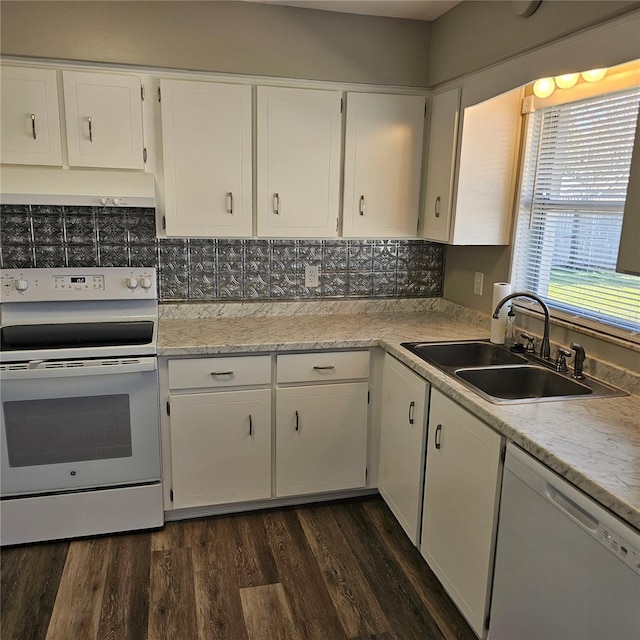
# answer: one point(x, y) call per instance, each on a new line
point(505, 377)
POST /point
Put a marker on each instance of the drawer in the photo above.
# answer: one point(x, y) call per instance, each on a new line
point(322, 365)
point(234, 371)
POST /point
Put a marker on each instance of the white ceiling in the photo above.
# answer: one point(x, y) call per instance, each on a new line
point(412, 9)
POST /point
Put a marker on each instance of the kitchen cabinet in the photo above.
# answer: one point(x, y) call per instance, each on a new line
point(103, 114)
point(461, 494)
point(628, 254)
point(443, 137)
point(470, 172)
point(382, 165)
point(402, 443)
point(299, 137)
point(321, 428)
point(207, 155)
point(30, 125)
point(220, 435)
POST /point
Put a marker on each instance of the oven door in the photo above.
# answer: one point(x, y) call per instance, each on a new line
point(72, 425)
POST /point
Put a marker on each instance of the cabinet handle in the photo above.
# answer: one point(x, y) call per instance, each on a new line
point(33, 126)
point(250, 425)
point(436, 207)
point(361, 205)
point(412, 407)
point(221, 373)
point(90, 130)
point(230, 202)
point(276, 203)
point(329, 367)
point(297, 422)
point(436, 440)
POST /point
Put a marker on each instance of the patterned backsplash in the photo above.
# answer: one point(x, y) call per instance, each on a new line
point(217, 270)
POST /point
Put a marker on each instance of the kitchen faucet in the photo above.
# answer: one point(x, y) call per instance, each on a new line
point(545, 349)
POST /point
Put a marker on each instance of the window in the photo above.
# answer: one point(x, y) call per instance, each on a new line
point(574, 183)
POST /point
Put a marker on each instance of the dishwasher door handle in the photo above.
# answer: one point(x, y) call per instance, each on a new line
point(571, 509)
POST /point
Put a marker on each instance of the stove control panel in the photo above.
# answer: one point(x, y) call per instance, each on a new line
point(82, 283)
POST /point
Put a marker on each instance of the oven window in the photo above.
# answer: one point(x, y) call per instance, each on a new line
point(67, 429)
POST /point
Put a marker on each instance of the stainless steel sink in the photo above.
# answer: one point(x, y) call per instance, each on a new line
point(503, 377)
point(522, 382)
point(464, 354)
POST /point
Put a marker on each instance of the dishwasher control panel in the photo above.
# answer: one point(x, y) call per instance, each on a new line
point(621, 548)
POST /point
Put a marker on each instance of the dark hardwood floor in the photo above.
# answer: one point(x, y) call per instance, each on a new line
point(327, 571)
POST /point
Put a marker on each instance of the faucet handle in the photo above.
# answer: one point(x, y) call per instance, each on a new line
point(578, 363)
point(530, 346)
point(561, 360)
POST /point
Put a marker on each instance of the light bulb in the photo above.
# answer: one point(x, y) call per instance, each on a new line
point(544, 87)
point(567, 80)
point(594, 75)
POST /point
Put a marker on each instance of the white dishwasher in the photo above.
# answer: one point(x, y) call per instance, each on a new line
point(565, 567)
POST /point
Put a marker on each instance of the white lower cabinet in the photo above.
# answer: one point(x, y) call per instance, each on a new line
point(462, 487)
point(321, 429)
point(402, 443)
point(221, 447)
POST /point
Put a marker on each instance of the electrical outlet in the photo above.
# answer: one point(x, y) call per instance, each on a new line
point(478, 282)
point(311, 275)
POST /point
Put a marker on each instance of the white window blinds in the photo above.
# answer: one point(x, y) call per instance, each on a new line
point(574, 184)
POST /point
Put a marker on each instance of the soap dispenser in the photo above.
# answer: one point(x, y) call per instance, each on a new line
point(510, 328)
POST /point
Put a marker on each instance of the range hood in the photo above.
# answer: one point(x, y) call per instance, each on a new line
point(103, 188)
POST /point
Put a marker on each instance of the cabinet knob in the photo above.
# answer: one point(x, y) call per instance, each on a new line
point(230, 202)
point(412, 407)
point(276, 203)
point(362, 205)
point(436, 439)
point(436, 207)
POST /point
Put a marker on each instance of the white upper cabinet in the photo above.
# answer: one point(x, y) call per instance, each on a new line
point(382, 166)
point(445, 109)
point(103, 113)
point(30, 131)
point(299, 135)
point(206, 139)
point(471, 169)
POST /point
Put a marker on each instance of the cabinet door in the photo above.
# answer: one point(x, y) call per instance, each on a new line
point(462, 487)
point(402, 444)
point(206, 138)
point(299, 133)
point(487, 161)
point(103, 113)
point(221, 447)
point(382, 166)
point(321, 438)
point(443, 137)
point(30, 125)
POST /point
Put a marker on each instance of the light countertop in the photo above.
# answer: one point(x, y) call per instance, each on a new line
point(594, 443)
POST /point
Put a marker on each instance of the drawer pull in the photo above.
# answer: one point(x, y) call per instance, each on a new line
point(297, 422)
point(329, 367)
point(221, 373)
point(33, 126)
point(250, 425)
point(412, 407)
point(436, 439)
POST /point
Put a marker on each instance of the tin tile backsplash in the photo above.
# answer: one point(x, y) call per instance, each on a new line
point(217, 270)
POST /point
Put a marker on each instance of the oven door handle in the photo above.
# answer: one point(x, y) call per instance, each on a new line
point(99, 368)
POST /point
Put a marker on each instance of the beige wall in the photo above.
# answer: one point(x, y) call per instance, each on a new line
point(474, 35)
point(233, 37)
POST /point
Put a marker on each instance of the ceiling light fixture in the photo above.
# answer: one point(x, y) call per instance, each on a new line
point(594, 75)
point(544, 87)
point(567, 80)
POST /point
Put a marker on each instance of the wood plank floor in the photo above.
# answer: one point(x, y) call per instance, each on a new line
point(327, 571)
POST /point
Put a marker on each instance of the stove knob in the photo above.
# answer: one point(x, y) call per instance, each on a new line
point(103, 201)
point(132, 283)
point(116, 201)
point(145, 283)
point(21, 285)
